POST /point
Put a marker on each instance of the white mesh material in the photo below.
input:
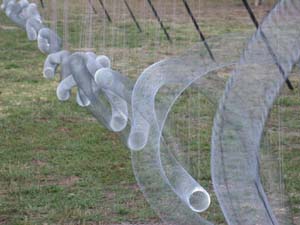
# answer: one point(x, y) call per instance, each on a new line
point(147, 112)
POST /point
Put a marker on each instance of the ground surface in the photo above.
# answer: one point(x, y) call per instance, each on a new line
point(59, 166)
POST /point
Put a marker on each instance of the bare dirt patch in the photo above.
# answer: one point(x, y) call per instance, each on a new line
point(3, 221)
point(69, 181)
point(148, 223)
point(65, 182)
point(297, 220)
point(3, 27)
point(37, 162)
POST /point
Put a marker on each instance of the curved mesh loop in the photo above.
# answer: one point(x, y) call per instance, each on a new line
point(165, 183)
point(242, 113)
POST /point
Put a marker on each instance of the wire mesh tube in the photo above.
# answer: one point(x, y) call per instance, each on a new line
point(33, 26)
point(27, 16)
point(175, 195)
point(14, 11)
point(48, 41)
point(53, 61)
point(168, 187)
point(114, 119)
point(242, 114)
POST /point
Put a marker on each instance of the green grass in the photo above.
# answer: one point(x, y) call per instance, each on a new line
point(58, 165)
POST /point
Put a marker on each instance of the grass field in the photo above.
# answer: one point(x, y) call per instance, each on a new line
point(59, 166)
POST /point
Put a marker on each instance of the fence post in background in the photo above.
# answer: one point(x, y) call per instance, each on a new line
point(105, 11)
point(202, 37)
point(255, 22)
point(133, 16)
point(159, 20)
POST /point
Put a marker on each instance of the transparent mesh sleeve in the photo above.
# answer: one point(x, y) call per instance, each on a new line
point(239, 122)
point(173, 193)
